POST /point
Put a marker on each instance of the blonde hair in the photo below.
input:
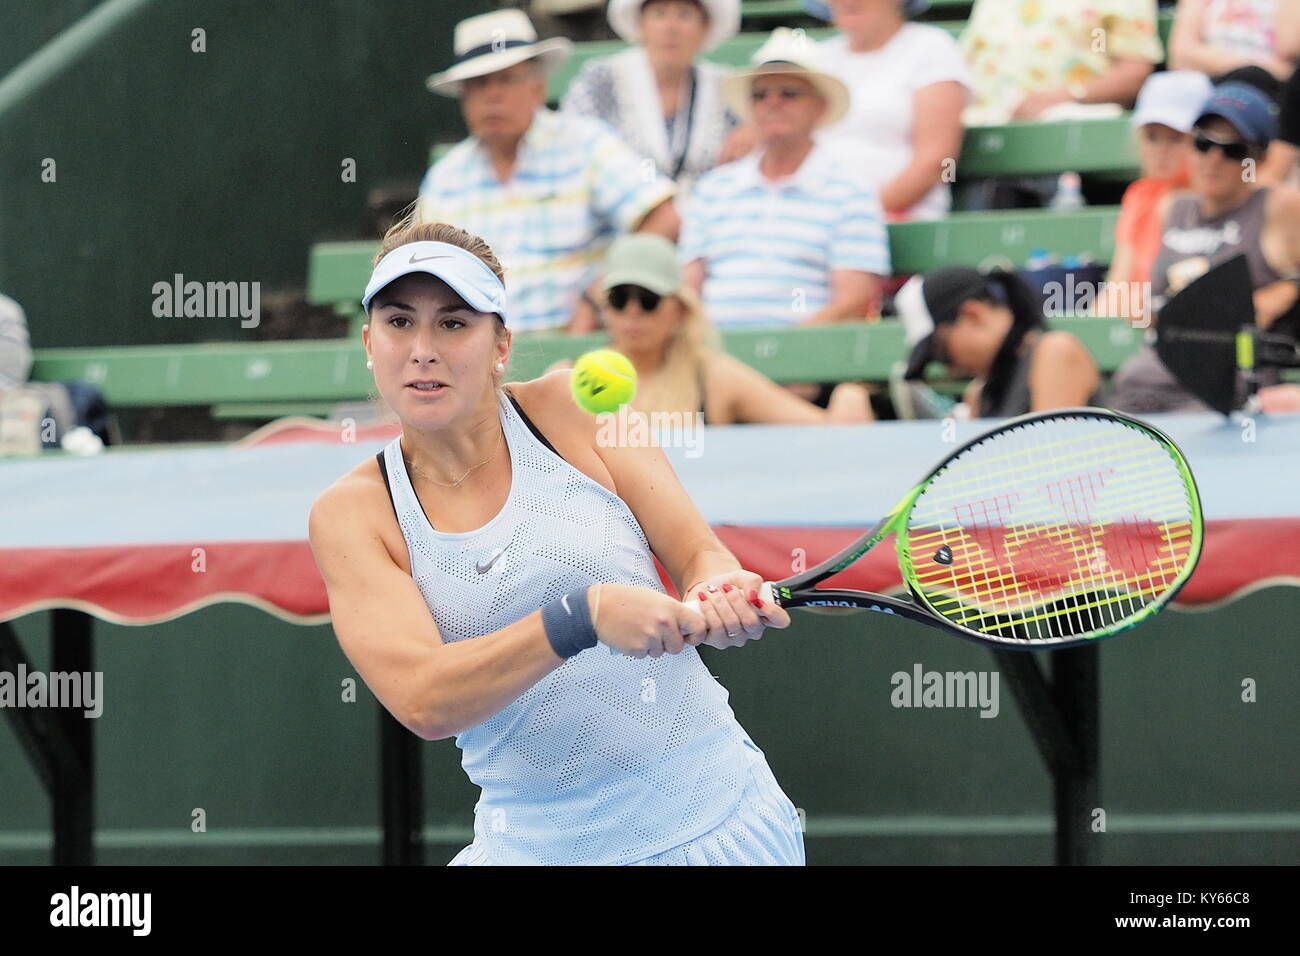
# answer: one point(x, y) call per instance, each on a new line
point(677, 385)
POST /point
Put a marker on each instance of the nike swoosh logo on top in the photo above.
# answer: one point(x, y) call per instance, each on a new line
point(414, 259)
point(565, 601)
point(485, 568)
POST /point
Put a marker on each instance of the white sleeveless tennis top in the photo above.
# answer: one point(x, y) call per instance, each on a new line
point(607, 759)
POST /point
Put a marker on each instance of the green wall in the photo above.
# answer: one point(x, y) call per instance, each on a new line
point(29, 26)
point(222, 166)
point(233, 711)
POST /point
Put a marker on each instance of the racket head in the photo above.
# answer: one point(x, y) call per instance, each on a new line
point(1053, 529)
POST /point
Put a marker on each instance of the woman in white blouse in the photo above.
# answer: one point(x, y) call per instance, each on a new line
point(665, 104)
point(909, 85)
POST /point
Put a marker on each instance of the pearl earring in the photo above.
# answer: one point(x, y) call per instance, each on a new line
point(501, 367)
point(369, 364)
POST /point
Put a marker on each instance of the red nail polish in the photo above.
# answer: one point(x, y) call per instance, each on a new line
point(727, 587)
point(753, 599)
point(704, 596)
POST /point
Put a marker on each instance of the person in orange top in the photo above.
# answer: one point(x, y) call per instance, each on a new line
point(1166, 110)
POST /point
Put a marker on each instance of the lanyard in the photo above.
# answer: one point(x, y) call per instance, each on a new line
point(690, 121)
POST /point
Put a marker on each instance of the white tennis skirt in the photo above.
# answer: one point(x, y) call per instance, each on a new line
point(763, 830)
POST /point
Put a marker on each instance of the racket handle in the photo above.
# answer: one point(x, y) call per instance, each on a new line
point(764, 595)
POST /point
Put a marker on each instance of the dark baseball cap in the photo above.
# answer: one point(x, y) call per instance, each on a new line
point(928, 301)
point(1247, 108)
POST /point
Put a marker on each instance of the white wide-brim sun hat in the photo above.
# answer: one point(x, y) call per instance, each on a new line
point(494, 41)
point(724, 20)
point(786, 51)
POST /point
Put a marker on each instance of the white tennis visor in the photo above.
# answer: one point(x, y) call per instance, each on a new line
point(467, 274)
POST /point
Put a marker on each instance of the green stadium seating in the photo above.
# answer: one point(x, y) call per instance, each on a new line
point(1100, 147)
point(271, 378)
point(972, 238)
point(338, 269)
point(257, 380)
point(760, 11)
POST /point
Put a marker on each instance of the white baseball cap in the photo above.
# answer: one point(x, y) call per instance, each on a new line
point(1174, 99)
point(467, 274)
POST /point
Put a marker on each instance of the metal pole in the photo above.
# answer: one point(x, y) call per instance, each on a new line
point(401, 793)
point(73, 638)
point(1076, 686)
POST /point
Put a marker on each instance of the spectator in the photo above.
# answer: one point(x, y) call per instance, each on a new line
point(547, 190)
point(1218, 36)
point(1226, 214)
point(658, 323)
point(662, 101)
point(15, 346)
point(990, 328)
point(784, 236)
point(1166, 111)
point(897, 72)
point(1027, 58)
point(1280, 164)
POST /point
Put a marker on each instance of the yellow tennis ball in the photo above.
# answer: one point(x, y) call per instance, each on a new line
point(603, 381)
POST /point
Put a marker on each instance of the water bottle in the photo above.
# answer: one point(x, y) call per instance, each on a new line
point(1069, 192)
point(1039, 259)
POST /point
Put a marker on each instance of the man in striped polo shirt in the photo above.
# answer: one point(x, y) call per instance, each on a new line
point(784, 236)
point(548, 191)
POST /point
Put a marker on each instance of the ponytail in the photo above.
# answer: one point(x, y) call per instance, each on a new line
point(1026, 306)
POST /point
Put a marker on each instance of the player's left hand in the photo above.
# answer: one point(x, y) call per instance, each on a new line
point(733, 609)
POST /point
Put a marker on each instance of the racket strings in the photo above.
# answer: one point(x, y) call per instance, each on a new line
point(1034, 539)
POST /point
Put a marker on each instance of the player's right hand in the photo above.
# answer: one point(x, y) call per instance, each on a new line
point(641, 622)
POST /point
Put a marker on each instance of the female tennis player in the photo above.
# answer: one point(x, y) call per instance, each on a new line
point(476, 563)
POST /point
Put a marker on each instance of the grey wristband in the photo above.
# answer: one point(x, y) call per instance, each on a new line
point(568, 623)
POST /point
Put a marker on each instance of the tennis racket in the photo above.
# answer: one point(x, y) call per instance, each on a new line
point(1051, 530)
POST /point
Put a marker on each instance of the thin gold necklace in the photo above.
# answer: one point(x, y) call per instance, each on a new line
point(446, 484)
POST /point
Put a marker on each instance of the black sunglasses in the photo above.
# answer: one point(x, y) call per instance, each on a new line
point(620, 295)
point(785, 92)
point(1235, 151)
